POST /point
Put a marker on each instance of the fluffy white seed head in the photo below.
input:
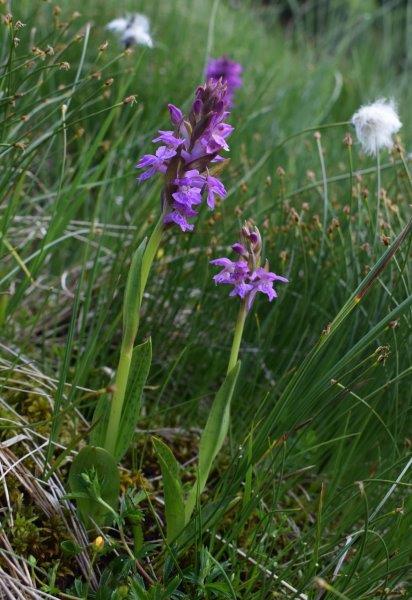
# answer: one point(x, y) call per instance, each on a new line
point(118, 25)
point(132, 29)
point(376, 124)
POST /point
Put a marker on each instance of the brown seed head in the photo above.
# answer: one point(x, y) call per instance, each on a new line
point(347, 140)
point(130, 100)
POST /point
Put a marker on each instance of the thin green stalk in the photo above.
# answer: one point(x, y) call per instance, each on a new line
point(405, 166)
point(325, 192)
point(129, 337)
point(378, 192)
point(349, 146)
point(211, 32)
point(237, 337)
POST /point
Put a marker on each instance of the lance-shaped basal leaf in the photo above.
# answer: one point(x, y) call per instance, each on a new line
point(172, 489)
point(99, 422)
point(133, 297)
point(95, 483)
point(213, 436)
point(139, 370)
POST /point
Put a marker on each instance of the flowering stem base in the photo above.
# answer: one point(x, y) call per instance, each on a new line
point(129, 337)
point(122, 376)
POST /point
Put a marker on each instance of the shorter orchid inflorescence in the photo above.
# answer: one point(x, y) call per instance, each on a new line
point(246, 274)
point(228, 71)
point(189, 154)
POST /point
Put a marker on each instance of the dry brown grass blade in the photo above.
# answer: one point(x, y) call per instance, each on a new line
point(47, 496)
point(14, 589)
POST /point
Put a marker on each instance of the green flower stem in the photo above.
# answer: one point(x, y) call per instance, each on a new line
point(129, 337)
point(237, 337)
point(120, 384)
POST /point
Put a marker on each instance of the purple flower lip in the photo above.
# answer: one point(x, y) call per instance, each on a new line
point(169, 138)
point(245, 274)
point(178, 219)
point(187, 151)
point(155, 163)
point(191, 178)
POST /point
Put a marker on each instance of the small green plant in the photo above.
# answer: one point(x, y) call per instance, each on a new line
point(185, 158)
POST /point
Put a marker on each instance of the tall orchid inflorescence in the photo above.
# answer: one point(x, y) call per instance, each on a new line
point(228, 71)
point(188, 155)
point(246, 274)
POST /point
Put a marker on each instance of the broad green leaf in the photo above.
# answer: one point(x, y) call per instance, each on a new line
point(100, 465)
point(213, 436)
point(173, 492)
point(99, 422)
point(70, 548)
point(139, 370)
point(132, 297)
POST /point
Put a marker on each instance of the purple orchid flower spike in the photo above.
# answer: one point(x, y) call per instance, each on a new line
point(228, 71)
point(188, 155)
point(246, 274)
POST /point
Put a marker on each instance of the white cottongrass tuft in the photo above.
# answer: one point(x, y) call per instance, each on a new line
point(133, 30)
point(375, 125)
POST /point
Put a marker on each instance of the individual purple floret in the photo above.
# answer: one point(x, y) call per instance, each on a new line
point(246, 274)
point(228, 70)
point(188, 155)
point(155, 163)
